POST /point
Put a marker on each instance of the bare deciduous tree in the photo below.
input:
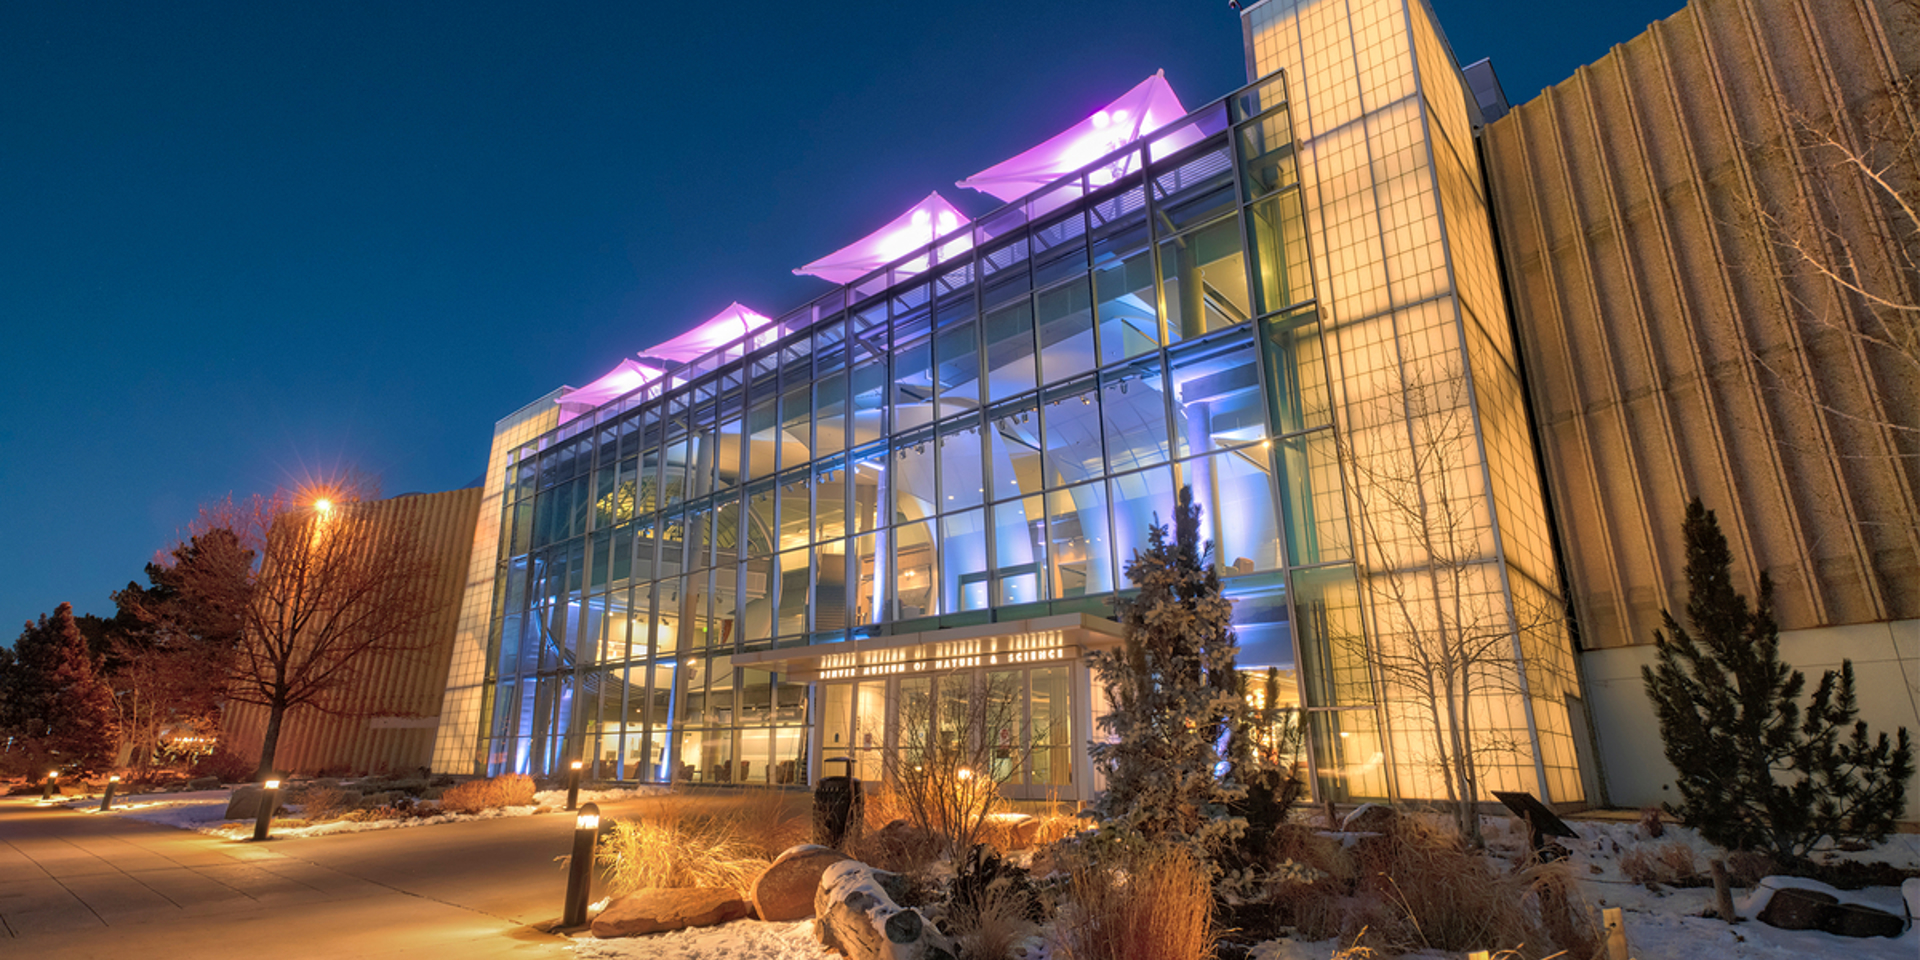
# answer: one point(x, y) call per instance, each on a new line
point(1846, 246)
point(1446, 644)
point(959, 742)
point(330, 589)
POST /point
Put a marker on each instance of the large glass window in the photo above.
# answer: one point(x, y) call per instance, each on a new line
point(1139, 501)
point(1133, 411)
point(963, 551)
point(915, 478)
point(1079, 553)
point(917, 571)
point(1072, 418)
point(1014, 451)
point(1204, 280)
point(1010, 358)
point(1064, 318)
point(957, 360)
point(962, 483)
point(1020, 551)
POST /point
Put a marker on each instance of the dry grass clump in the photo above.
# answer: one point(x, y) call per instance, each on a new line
point(1417, 887)
point(992, 925)
point(321, 802)
point(506, 790)
point(1152, 904)
point(1669, 863)
point(703, 840)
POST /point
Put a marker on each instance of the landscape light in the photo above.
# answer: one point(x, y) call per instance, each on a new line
point(269, 798)
point(573, 783)
point(586, 834)
point(106, 802)
point(46, 787)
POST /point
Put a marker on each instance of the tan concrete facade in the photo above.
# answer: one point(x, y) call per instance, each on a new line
point(1665, 217)
point(387, 719)
point(1674, 352)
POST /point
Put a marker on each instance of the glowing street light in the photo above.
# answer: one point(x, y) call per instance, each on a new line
point(323, 505)
point(269, 795)
point(106, 802)
point(586, 835)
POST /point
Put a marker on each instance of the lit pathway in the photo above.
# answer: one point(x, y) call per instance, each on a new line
point(74, 885)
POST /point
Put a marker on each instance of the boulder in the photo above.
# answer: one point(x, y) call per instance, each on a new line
point(1860, 920)
point(204, 783)
point(1792, 908)
point(1370, 818)
point(855, 913)
point(244, 802)
point(658, 910)
point(785, 890)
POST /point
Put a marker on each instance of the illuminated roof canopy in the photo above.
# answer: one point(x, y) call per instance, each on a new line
point(1138, 112)
point(726, 327)
point(923, 223)
point(629, 376)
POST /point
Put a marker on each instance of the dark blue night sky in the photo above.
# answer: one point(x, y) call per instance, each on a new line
point(247, 244)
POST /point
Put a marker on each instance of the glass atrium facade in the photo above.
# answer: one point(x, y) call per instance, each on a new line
point(930, 480)
point(947, 443)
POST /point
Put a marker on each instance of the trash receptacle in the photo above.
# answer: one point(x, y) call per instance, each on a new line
point(836, 805)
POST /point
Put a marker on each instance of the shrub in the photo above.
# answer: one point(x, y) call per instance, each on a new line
point(1137, 903)
point(506, 790)
point(1415, 887)
point(228, 766)
point(1669, 863)
point(319, 803)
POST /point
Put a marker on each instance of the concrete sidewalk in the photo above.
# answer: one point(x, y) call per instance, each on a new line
point(77, 885)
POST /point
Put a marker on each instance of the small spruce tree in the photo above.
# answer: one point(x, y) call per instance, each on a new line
point(1173, 697)
point(1755, 772)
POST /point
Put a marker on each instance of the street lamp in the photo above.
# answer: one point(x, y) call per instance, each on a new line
point(106, 802)
point(573, 783)
point(586, 835)
point(269, 794)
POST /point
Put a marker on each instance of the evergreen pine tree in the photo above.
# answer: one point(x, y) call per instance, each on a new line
point(1173, 697)
point(55, 700)
point(1753, 772)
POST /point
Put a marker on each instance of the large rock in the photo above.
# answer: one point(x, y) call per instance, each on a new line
point(784, 892)
point(855, 913)
point(244, 802)
point(1795, 909)
point(1370, 818)
point(658, 910)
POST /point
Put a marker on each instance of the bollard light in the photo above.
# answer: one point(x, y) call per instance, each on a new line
point(269, 797)
point(586, 835)
point(46, 786)
point(573, 784)
point(106, 802)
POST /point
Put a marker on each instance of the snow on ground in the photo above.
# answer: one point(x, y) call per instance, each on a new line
point(1665, 924)
point(739, 940)
point(205, 810)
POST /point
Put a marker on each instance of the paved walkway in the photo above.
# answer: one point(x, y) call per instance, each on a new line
point(79, 885)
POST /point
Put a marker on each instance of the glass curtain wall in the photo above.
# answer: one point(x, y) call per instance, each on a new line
point(984, 440)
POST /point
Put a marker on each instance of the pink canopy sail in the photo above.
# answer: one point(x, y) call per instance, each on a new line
point(629, 376)
point(1140, 111)
point(924, 222)
point(727, 326)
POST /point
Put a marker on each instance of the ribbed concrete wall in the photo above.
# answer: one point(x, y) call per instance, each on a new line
point(1672, 351)
point(390, 714)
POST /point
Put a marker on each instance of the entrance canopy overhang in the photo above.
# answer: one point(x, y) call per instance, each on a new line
point(1011, 643)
